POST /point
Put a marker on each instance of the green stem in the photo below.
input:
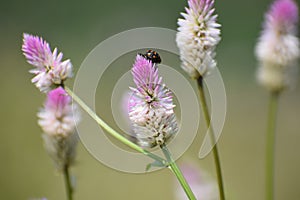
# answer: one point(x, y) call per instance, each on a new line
point(68, 184)
point(212, 138)
point(175, 169)
point(111, 131)
point(270, 145)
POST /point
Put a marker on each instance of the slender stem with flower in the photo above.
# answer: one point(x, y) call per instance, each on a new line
point(56, 118)
point(152, 115)
point(60, 138)
point(277, 51)
point(197, 37)
point(170, 161)
point(51, 73)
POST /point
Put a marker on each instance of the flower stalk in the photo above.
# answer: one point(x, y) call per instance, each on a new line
point(56, 118)
point(212, 138)
point(277, 51)
point(111, 131)
point(68, 184)
point(152, 115)
point(270, 145)
point(169, 162)
point(197, 37)
point(177, 172)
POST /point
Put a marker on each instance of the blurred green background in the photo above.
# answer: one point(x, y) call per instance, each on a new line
point(76, 27)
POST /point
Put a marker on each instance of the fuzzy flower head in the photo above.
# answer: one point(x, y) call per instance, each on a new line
point(57, 121)
point(57, 117)
point(49, 69)
point(197, 37)
point(282, 16)
point(151, 106)
point(278, 47)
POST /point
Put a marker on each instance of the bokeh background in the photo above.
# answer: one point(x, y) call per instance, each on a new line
point(76, 27)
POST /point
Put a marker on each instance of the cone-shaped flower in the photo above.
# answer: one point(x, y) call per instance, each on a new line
point(278, 46)
point(151, 106)
point(197, 37)
point(49, 69)
point(57, 121)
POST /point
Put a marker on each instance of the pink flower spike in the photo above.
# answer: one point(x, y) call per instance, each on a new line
point(58, 122)
point(143, 72)
point(151, 106)
point(49, 69)
point(57, 117)
point(150, 86)
point(197, 37)
point(57, 99)
point(278, 47)
point(36, 50)
point(283, 14)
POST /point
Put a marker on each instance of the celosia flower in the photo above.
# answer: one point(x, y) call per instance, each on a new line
point(201, 184)
point(197, 37)
point(278, 46)
point(151, 106)
point(49, 68)
point(57, 121)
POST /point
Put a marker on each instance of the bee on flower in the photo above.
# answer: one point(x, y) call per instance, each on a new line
point(151, 106)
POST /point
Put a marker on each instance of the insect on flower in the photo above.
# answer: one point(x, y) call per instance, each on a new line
point(153, 56)
point(151, 108)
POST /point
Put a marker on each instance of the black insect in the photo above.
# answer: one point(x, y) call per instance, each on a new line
point(152, 55)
